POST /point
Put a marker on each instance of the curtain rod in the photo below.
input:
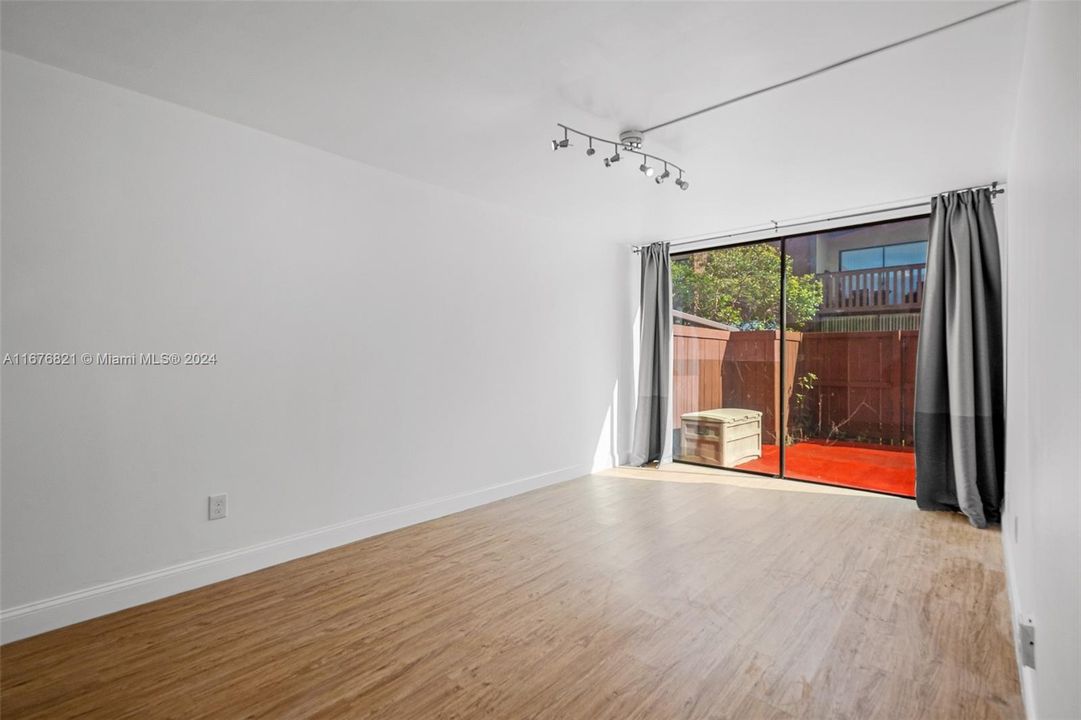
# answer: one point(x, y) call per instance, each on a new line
point(830, 217)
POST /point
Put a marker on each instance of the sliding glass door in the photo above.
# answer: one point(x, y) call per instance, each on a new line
point(822, 390)
point(726, 357)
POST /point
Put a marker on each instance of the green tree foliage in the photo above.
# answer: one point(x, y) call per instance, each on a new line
point(741, 286)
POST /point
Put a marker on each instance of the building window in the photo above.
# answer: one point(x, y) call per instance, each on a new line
point(884, 256)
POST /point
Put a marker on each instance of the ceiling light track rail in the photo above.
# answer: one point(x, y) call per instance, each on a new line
point(833, 66)
point(630, 142)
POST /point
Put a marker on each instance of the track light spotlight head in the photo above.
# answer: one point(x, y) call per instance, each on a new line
point(590, 151)
point(659, 179)
point(614, 158)
point(664, 175)
point(607, 162)
point(646, 169)
point(683, 184)
point(556, 144)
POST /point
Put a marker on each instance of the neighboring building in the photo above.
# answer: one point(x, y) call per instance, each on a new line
point(872, 275)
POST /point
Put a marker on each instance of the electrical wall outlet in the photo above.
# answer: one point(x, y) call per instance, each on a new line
point(1028, 642)
point(219, 506)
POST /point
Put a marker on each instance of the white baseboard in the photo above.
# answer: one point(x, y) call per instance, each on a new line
point(55, 612)
point(1026, 674)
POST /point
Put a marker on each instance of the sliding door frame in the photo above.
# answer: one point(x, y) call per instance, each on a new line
point(782, 314)
point(782, 376)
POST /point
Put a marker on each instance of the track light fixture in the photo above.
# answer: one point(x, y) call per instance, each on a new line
point(630, 141)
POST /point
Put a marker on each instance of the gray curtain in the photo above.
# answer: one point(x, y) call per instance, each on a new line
point(959, 424)
point(651, 417)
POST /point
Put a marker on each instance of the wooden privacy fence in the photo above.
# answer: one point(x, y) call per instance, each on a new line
point(728, 368)
point(866, 385)
point(862, 388)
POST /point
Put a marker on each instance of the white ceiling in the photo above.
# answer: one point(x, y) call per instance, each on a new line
point(466, 95)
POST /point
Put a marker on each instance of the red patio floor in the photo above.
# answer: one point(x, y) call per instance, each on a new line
point(881, 468)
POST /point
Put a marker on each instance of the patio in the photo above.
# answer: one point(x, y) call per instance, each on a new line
point(880, 468)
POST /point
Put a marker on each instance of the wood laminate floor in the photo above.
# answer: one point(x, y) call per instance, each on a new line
point(630, 594)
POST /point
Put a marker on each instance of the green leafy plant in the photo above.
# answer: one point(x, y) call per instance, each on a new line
point(741, 287)
point(802, 422)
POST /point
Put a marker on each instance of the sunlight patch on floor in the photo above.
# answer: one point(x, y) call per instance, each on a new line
point(683, 473)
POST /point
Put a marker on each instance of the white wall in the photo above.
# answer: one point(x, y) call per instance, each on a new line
point(1042, 523)
point(382, 346)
